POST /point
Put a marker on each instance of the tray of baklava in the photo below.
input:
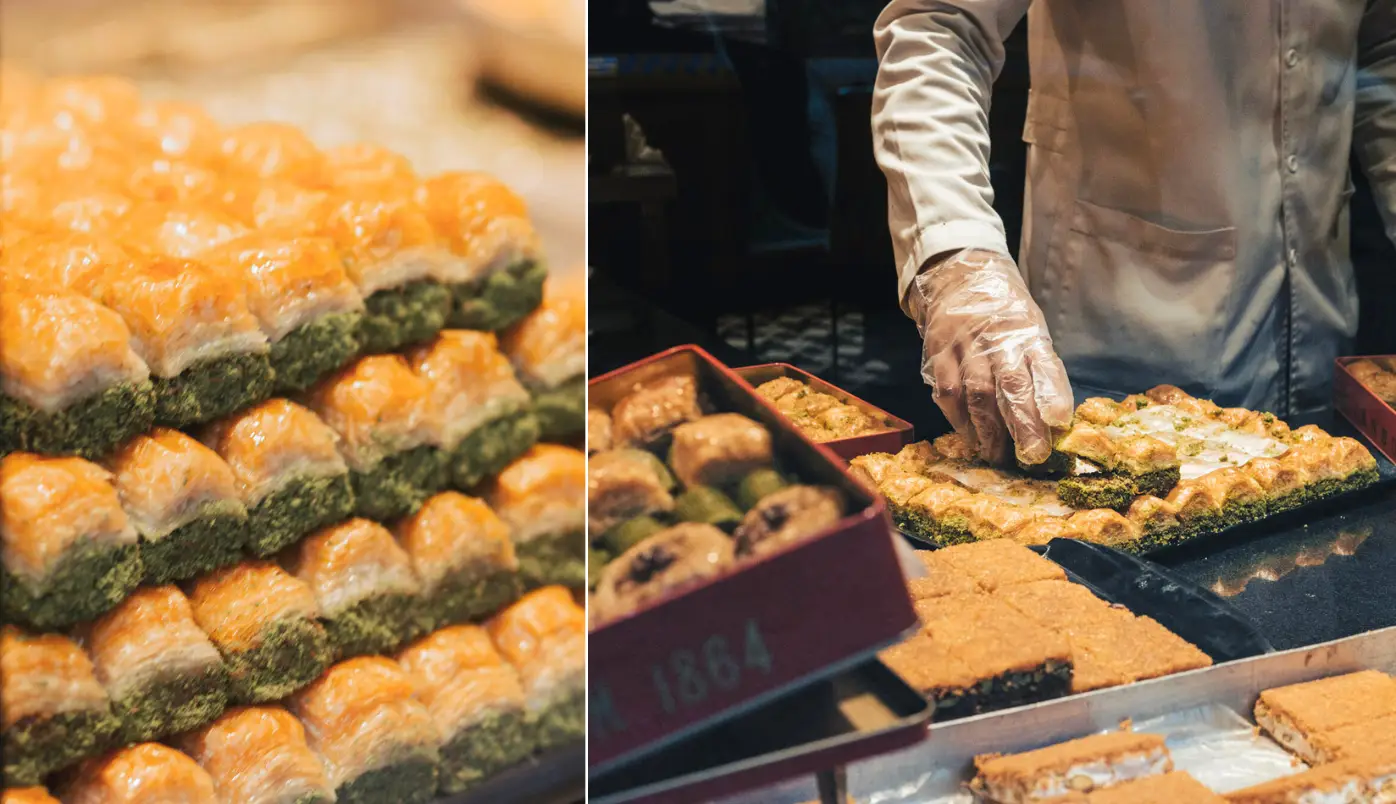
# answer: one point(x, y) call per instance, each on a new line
point(268, 411)
point(1364, 392)
point(1151, 472)
point(732, 557)
point(847, 424)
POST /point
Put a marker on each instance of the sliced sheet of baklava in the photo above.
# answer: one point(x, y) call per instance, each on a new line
point(206, 353)
point(70, 381)
point(461, 551)
point(265, 623)
point(1170, 788)
point(542, 496)
point(303, 300)
point(476, 700)
point(494, 267)
point(69, 552)
point(1091, 763)
point(53, 708)
point(163, 674)
point(289, 470)
point(544, 637)
point(1338, 783)
point(378, 743)
point(548, 348)
point(145, 773)
point(370, 599)
point(259, 755)
point(183, 501)
point(388, 426)
point(486, 415)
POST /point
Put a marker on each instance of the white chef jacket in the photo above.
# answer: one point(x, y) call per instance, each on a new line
point(1188, 187)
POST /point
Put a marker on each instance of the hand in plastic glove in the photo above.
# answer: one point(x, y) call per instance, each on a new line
point(988, 357)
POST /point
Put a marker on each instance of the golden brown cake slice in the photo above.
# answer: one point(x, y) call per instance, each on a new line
point(1014, 660)
point(1378, 734)
point(1082, 766)
point(933, 670)
point(941, 578)
point(1170, 788)
point(1335, 784)
point(1293, 715)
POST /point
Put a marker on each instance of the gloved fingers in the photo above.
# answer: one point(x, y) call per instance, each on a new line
point(981, 397)
point(1055, 402)
point(1017, 401)
point(942, 372)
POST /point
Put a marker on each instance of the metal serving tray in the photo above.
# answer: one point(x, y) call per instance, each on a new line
point(864, 712)
point(738, 641)
point(898, 434)
point(941, 764)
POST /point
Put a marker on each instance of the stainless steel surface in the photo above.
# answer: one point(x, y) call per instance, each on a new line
point(946, 758)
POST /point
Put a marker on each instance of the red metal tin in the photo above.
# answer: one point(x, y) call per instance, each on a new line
point(788, 619)
point(1369, 413)
point(898, 434)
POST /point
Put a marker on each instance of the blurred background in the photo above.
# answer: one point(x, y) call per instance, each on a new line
point(493, 85)
point(754, 219)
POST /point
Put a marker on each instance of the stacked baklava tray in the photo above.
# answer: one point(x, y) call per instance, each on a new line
point(286, 504)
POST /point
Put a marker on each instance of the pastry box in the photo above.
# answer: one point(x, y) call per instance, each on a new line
point(890, 437)
point(861, 713)
point(774, 621)
point(1360, 403)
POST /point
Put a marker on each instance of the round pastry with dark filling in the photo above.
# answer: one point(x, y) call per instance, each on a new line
point(667, 562)
point(787, 516)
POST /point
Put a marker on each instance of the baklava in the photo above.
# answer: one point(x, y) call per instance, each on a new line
point(662, 565)
point(486, 416)
point(54, 710)
point(370, 599)
point(259, 755)
point(719, 449)
point(493, 267)
point(69, 550)
point(289, 471)
point(377, 742)
point(146, 773)
point(163, 674)
point(475, 699)
point(1081, 766)
point(265, 623)
point(544, 637)
point(542, 497)
point(70, 381)
point(461, 551)
point(184, 502)
point(1295, 715)
point(548, 349)
point(646, 417)
point(388, 425)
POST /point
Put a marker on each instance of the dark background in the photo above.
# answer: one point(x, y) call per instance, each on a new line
point(764, 234)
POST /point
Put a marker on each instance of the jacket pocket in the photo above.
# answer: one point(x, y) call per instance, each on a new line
point(1142, 303)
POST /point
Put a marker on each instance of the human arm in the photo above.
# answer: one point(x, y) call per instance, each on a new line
point(1374, 125)
point(986, 352)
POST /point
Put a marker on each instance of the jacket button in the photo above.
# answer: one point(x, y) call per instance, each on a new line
point(1292, 57)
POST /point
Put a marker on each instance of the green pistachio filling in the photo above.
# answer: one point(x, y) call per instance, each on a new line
point(302, 506)
point(88, 581)
point(397, 317)
point(314, 349)
point(499, 298)
point(89, 428)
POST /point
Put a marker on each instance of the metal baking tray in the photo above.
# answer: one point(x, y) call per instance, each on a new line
point(556, 777)
point(1369, 413)
point(791, 618)
point(898, 432)
point(942, 763)
point(864, 712)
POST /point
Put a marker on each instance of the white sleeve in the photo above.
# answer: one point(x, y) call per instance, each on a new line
point(938, 61)
point(1374, 126)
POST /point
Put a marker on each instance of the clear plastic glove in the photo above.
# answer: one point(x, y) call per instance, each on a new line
point(988, 357)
